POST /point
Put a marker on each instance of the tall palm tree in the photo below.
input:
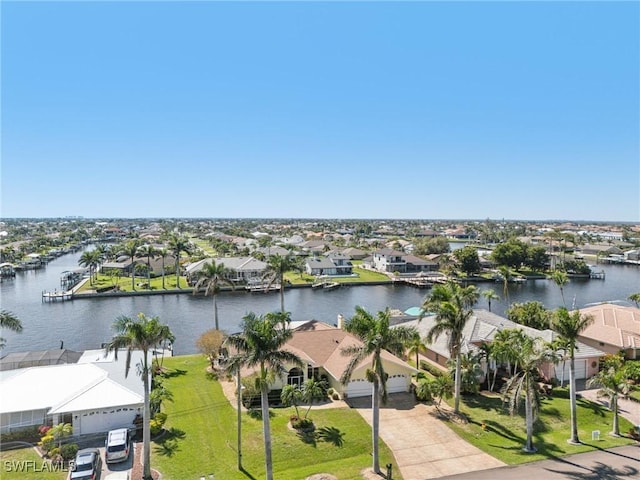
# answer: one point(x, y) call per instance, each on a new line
point(90, 259)
point(490, 295)
point(560, 278)
point(9, 321)
point(531, 354)
point(144, 334)
point(613, 381)
point(277, 266)
point(376, 336)
point(569, 326)
point(259, 346)
point(150, 252)
point(211, 277)
point(453, 307)
point(130, 249)
point(178, 244)
point(507, 274)
point(162, 253)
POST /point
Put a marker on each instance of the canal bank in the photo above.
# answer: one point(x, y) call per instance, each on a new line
point(87, 324)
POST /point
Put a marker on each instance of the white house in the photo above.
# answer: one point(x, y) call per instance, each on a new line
point(93, 395)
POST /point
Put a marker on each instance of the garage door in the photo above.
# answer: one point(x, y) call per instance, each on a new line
point(581, 370)
point(362, 388)
point(104, 420)
point(397, 383)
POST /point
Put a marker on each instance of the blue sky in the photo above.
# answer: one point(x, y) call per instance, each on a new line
point(434, 110)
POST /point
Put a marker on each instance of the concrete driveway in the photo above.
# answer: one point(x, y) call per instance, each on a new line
point(424, 447)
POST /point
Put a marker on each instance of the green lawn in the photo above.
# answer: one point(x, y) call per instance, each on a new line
point(26, 464)
point(124, 283)
point(202, 435)
point(505, 435)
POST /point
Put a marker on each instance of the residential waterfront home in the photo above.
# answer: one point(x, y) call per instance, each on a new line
point(590, 249)
point(94, 395)
point(615, 328)
point(482, 328)
point(392, 261)
point(320, 346)
point(241, 269)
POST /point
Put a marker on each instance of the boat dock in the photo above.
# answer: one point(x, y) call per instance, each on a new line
point(56, 296)
point(420, 281)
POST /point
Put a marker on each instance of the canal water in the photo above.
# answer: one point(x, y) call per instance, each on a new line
point(86, 323)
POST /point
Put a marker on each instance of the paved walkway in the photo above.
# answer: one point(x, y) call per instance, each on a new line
point(424, 447)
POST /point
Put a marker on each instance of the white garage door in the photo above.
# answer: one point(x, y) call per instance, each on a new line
point(362, 388)
point(581, 370)
point(104, 420)
point(397, 383)
point(358, 388)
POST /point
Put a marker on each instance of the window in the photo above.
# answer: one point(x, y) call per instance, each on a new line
point(295, 377)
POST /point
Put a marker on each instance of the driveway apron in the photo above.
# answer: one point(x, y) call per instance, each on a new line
point(423, 446)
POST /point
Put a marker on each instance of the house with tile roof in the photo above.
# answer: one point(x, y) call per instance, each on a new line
point(615, 328)
point(320, 346)
point(482, 328)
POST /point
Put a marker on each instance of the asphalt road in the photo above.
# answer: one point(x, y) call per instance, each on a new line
point(621, 463)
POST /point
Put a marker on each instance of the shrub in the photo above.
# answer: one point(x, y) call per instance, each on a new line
point(302, 424)
point(156, 423)
point(330, 391)
point(433, 370)
point(47, 443)
point(335, 396)
point(53, 452)
point(68, 451)
point(29, 435)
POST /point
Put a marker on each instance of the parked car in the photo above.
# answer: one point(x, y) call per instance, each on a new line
point(87, 465)
point(117, 446)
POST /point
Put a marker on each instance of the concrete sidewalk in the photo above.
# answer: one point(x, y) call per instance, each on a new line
point(424, 447)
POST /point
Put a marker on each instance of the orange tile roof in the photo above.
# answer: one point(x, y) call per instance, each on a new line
point(614, 325)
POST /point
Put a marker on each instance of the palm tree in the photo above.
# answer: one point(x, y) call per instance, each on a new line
point(130, 249)
point(416, 345)
point(376, 336)
point(90, 259)
point(453, 307)
point(313, 390)
point(507, 274)
point(569, 326)
point(142, 334)
point(560, 345)
point(179, 244)
point(150, 252)
point(9, 321)
point(277, 266)
point(163, 252)
point(211, 277)
point(635, 298)
point(531, 353)
point(613, 381)
point(259, 345)
point(490, 295)
point(60, 431)
point(560, 278)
